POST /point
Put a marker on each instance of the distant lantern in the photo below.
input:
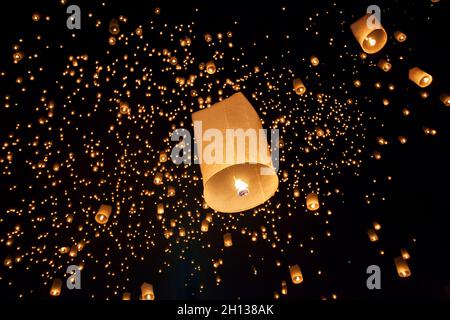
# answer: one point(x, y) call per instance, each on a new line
point(162, 156)
point(114, 26)
point(384, 65)
point(405, 254)
point(182, 232)
point(376, 225)
point(312, 201)
point(147, 291)
point(158, 179)
point(445, 98)
point(369, 38)
point(210, 67)
point(373, 237)
point(399, 36)
point(73, 251)
point(296, 193)
point(112, 41)
point(8, 261)
point(402, 139)
point(124, 108)
point(170, 191)
point(138, 31)
point(237, 171)
point(402, 267)
point(299, 87)
point(126, 296)
point(205, 225)
point(357, 83)
point(314, 60)
point(420, 77)
point(160, 208)
point(227, 240)
point(55, 289)
point(296, 274)
point(283, 287)
point(103, 214)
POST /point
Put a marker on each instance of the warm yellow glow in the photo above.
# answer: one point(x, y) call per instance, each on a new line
point(241, 187)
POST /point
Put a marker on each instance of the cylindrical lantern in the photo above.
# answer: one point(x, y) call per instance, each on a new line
point(126, 296)
point(162, 156)
point(296, 193)
point(170, 191)
point(182, 232)
point(370, 39)
point(296, 274)
point(55, 290)
point(160, 208)
point(399, 36)
point(147, 291)
point(402, 267)
point(158, 179)
point(205, 226)
point(114, 26)
point(420, 77)
point(384, 65)
point(405, 254)
point(103, 214)
point(210, 67)
point(312, 201)
point(299, 87)
point(314, 60)
point(227, 240)
point(376, 225)
point(283, 287)
point(234, 157)
point(445, 98)
point(372, 235)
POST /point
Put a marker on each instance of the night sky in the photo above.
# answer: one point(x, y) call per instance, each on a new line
point(84, 119)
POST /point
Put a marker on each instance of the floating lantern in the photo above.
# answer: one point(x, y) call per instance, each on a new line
point(296, 193)
point(283, 287)
point(103, 214)
point(182, 232)
point(160, 208)
point(138, 31)
point(405, 254)
point(312, 201)
point(227, 240)
point(124, 108)
point(114, 26)
point(112, 41)
point(420, 77)
point(157, 180)
point(162, 156)
point(296, 274)
point(399, 36)
point(73, 251)
point(170, 191)
point(210, 67)
point(384, 65)
point(299, 87)
point(376, 225)
point(357, 83)
point(314, 60)
point(402, 267)
point(402, 139)
point(147, 291)
point(245, 177)
point(8, 261)
point(55, 289)
point(372, 235)
point(126, 296)
point(445, 98)
point(209, 217)
point(371, 40)
point(205, 226)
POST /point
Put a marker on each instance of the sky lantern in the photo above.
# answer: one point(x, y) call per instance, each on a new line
point(234, 157)
point(370, 39)
point(402, 267)
point(312, 201)
point(420, 77)
point(103, 214)
point(296, 274)
point(147, 291)
point(55, 289)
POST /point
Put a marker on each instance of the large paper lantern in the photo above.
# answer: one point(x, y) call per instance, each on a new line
point(402, 267)
point(103, 214)
point(370, 39)
point(296, 274)
point(227, 240)
point(234, 157)
point(298, 85)
point(445, 98)
point(147, 291)
point(55, 290)
point(372, 235)
point(312, 201)
point(420, 77)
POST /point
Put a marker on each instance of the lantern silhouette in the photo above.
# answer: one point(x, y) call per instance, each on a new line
point(227, 240)
point(402, 267)
point(370, 39)
point(420, 77)
point(103, 214)
point(241, 175)
point(312, 201)
point(299, 87)
point(55, 289)
point(445, 98)
point(399, 36)
point(372, 235)
point(384, 65)
point(296, 274)
point(147, 291)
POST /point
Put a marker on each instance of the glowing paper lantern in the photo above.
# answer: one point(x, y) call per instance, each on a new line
point(283, 287)
point(210, 67)
point(445, 98)
point(420, 77)
point(384, 65)
point(205, 226)
point(241, 175)
point(405, 254)
point(372, 235)
point(147, 291)
point(103, 214)
point(55, 289)
point(114, 26)
point(299, 87)
point(8, 261)
point(402, 267)
point(296, 274)
point(399, 36)
point(162, 156)
point(370, 39)
point(160, 208)
point(157, 180)
point(227, 240)
point(314, 60)
point(126, 296)
point(312, 201)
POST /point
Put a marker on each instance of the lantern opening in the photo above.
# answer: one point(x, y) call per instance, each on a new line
point(241, 187)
